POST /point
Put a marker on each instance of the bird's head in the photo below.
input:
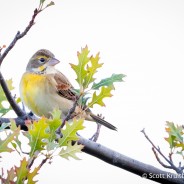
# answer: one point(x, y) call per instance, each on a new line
point(41, 60)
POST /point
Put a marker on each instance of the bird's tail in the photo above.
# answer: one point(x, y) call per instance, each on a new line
point(102, 122)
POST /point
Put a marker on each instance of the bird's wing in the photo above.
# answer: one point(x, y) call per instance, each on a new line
point(64, 87)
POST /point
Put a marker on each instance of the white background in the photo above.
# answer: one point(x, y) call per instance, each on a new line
point(143, 39)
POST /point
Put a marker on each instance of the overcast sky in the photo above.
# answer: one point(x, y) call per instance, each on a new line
point(143, 39)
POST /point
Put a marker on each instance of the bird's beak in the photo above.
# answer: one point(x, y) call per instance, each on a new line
point(53, 62)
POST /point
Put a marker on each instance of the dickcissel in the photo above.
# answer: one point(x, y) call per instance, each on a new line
point(43, 89)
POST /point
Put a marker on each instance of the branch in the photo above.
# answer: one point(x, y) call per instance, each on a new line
point(18, 36)
point(68, 116)
point(119, 160)
point(169, 161)
point(134, 166)
point(10, 98)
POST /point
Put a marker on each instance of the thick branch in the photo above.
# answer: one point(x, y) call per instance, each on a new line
point(114, 158)
point(10, 98)
point(119, 160)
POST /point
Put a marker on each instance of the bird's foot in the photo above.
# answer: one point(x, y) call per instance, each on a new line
point(94, 138)
point(100, 115)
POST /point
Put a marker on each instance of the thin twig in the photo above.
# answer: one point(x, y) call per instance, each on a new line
point(68, 116)
point(18, 36)
point(179, 171)
point(170, 157)
point(43, 161)
point(158, 159)
point(31, 162)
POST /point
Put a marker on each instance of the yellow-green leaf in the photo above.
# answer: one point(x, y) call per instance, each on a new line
point(91, 70)
point(70, 131)
point(175, 135)
point(21, 171)
point(54, 123)
point(71, 150)
point(98, 99)
point(4, 110)
point(31, 175)
point(4, 143)
point(38, 135)
point(80, 68)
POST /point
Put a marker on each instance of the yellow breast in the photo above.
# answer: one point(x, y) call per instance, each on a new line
point(31, 91)
point(39, 94)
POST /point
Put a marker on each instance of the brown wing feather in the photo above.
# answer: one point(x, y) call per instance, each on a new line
point(64, 87)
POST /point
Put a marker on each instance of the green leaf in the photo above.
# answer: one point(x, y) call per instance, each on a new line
point(3, 98)
point(80, 68)
point(50, 4)
point(42, 1)
point(98, 99)
point(4, 126)
point(38, 135)
point(91, 70)
point(4, 143)
point(108, 81)
point(16, 142)
point(175, 133)
point(70, 131)
point(54, 123)
point(71, 150)
point(31, 175)
point(4, 111)
point(21, 171)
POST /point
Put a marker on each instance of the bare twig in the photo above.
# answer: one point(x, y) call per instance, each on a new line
point(158, 159)
point(68, 116)
point(1, 48)
point(18, 36)
point(44, 161)
point(170, 162)
point(31, 162)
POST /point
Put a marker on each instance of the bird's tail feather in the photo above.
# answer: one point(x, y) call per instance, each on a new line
point(103, 122)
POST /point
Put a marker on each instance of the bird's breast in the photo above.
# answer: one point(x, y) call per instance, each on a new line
point(39, 94)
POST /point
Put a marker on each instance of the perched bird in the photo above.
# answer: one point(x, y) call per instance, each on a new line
point(43, 88)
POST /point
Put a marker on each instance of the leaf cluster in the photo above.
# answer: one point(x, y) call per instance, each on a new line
point(175, 138)
point(85, 70)
point(43, 142)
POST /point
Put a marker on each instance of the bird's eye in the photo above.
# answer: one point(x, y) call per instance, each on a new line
point(42, 60)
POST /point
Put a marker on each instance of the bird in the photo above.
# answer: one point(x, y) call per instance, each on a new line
point(43, 88)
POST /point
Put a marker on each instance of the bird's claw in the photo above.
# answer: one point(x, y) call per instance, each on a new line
point(94, 138)
point(100, 115)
